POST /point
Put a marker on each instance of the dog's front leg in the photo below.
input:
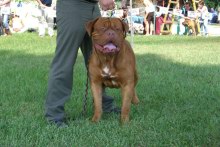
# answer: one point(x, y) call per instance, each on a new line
point(194, 31)
point(135, 99)
point(97, 96)
point(127, 95)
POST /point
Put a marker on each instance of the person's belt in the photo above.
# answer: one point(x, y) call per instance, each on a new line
point(92, 1)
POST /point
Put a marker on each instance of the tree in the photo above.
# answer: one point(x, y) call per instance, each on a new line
point(212, 3)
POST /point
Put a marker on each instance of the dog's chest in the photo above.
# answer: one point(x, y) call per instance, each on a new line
point(109, 77)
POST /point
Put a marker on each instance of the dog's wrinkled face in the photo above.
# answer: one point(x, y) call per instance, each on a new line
point(107, 34)
point(188, 23)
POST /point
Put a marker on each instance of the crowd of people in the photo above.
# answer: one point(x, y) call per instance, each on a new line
point(19, 17)
point(150, 20)
point(179, 14)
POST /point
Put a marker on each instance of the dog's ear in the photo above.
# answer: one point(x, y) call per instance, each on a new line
point(89, 26)
point(125, 28)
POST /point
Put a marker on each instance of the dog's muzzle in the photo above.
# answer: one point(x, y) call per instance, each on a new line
point(107, 48)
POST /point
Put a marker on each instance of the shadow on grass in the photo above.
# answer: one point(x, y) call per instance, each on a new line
point(172, 94)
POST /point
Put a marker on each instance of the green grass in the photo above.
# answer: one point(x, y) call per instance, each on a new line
point(179, 90)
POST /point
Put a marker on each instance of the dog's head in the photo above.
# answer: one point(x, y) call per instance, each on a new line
point(189, 23)
point(186, 22)
point(107, 34)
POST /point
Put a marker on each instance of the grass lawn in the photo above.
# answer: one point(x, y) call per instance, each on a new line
point(179, 90)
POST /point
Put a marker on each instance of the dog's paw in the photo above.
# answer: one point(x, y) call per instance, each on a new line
point(124, 120)
point(95, 118)
point(135, 100)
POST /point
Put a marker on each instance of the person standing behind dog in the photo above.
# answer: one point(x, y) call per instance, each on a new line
point(45, 19)
point(1, 27)
point(204, 15)
point(5, 11)
point(149, 17)
point(186, 8)
point(219, 15)
point(17, 25)
point(124, 17)
point(158, 21)
point(72, 15)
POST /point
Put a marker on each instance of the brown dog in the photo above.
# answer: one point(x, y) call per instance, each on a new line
point(112, 64)
point(191, 24)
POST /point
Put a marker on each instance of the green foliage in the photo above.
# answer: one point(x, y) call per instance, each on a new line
point(178, 88)
point(212, 3)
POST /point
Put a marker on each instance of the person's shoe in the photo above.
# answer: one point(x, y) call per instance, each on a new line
point(50, 32)
point(114, 109)
point(7, 32)
point(58, 123)
point(41, 30)
point(108, 105)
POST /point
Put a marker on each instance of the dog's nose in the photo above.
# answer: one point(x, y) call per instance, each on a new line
point(110, 33)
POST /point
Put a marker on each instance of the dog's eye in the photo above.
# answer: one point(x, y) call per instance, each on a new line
point(103, 28)
point(118, 29)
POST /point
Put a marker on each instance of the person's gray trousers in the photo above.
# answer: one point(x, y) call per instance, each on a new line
point(71, 18)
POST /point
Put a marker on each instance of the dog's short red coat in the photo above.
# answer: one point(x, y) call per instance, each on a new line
point(116, 69)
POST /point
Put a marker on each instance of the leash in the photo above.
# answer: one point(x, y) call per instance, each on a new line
point(85, 98)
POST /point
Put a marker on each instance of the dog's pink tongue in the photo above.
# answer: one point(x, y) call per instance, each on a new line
point(110, 46)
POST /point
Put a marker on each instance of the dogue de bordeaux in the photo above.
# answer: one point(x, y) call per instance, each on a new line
point(111, 64)
point(191, 24)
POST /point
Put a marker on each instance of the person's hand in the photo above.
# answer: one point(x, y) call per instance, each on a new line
point(107, 4)
point(43, 6)
point(123, 4)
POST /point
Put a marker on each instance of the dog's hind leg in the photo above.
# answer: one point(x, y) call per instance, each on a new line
point(135, 99)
